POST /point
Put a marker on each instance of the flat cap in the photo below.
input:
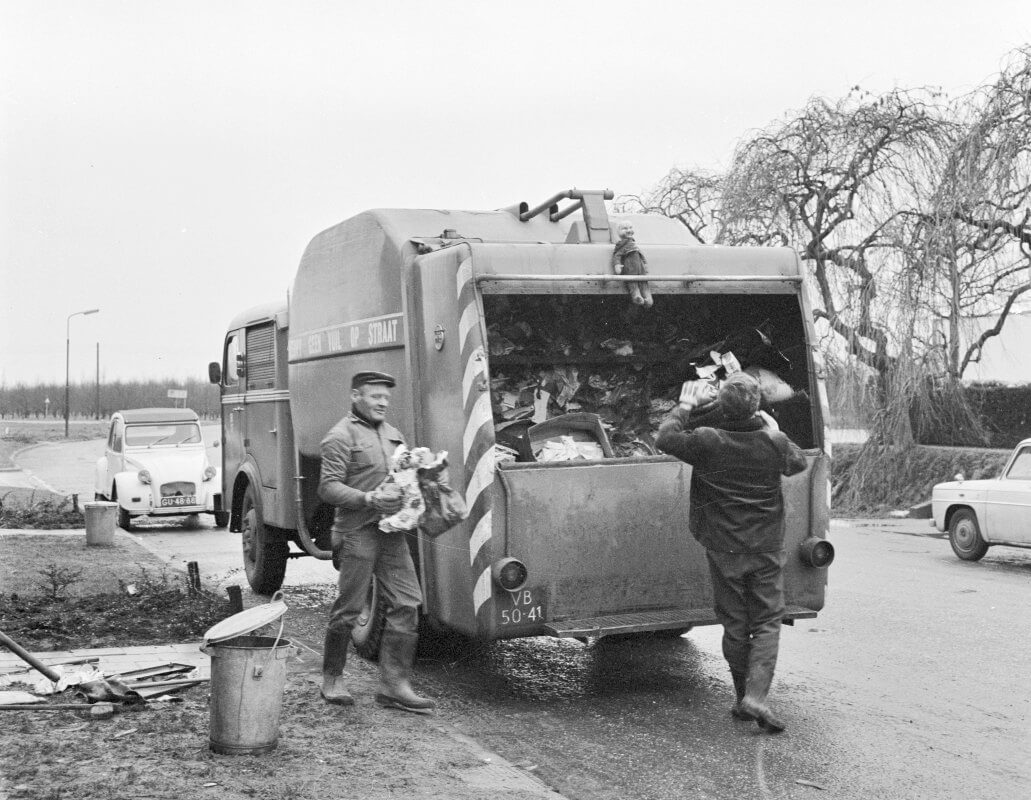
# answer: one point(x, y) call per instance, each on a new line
point(363, 378)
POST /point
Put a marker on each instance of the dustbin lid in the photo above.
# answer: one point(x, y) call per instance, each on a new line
point(247, 620)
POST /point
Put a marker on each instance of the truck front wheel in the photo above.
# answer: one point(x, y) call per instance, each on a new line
point(264, 552)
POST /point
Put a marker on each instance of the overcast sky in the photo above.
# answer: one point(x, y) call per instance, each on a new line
point(168, 162)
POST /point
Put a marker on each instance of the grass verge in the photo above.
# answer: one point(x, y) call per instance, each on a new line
point(57, 593)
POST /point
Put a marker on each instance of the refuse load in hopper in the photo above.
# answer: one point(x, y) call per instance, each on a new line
point(564, 358)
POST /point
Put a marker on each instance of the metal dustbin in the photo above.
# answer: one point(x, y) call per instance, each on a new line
point(248, 674)
point(100, 523)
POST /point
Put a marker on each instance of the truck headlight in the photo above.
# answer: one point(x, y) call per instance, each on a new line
point(817, 552)
point(143, 476)
point(209, 472)
point(509, 573)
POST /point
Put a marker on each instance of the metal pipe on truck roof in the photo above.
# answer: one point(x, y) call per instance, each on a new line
point(556, 215)
point(533, 212)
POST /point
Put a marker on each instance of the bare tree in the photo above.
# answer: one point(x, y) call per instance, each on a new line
point(978, 225)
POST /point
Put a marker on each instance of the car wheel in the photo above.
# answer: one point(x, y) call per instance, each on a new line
point(221, 519)
point(264, 552)
point(965, 536)
point(368, 630)
point(124, 520)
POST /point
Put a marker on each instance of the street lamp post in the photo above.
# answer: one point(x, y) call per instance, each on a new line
point(68, 359)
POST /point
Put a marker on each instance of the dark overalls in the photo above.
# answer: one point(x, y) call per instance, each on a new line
point(355, 460)
point(737, 514)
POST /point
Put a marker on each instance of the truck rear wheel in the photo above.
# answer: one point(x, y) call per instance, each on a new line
point(264, 552)
point(368, 631)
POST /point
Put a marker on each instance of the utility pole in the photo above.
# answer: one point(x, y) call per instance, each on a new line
point(98, 380)
point(68, 359)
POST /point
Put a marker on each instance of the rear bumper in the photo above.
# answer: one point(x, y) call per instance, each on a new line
point(668, 620)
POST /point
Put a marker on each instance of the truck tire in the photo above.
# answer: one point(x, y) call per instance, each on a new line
point(965, 536)
point(124, 520)
point(264, 552)
point(368, 631)
point(221, 519)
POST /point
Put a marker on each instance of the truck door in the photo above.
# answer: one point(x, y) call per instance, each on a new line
point(233, 408)
point(261, 400)
point(449, 384)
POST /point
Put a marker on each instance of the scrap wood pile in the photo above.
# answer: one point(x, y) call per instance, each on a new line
point(80, 685)
point(553, 356)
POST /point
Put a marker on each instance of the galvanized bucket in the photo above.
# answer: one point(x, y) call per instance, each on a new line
point(248, 674)
point(100, 523)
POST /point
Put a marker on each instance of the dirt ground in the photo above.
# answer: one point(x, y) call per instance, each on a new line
point(161, 750)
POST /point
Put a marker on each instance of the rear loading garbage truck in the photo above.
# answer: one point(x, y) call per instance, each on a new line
point(518, 350)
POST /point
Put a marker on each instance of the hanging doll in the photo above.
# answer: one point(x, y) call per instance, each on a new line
point(627, 259)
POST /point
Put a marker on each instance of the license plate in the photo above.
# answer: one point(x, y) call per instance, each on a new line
point(525, 607)
point(182, 500)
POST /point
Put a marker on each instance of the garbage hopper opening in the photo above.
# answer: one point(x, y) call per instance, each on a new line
point(248, 674)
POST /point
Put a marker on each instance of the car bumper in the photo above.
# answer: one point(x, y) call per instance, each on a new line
point(143, 501)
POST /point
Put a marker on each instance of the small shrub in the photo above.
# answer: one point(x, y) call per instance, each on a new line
point(39, 511)
point(56, 580)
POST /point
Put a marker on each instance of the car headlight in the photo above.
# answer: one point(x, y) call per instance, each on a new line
point(143, 476)
point(209, 472)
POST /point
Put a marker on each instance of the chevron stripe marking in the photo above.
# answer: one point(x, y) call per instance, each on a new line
point(482, 477)
point(481, 592)
point(481, 534)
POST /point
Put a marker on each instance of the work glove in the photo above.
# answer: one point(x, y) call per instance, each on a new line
point(385, 498)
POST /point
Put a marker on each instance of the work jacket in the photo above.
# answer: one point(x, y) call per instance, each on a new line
point(355, 460)
point(736, 501)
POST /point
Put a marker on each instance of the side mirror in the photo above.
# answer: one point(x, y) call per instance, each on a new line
point(959, 476)
point(215, 372)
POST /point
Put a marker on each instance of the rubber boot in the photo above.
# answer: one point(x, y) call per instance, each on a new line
point(396, 655)
point(760, 676)
point(334, 659)
point(739, 692)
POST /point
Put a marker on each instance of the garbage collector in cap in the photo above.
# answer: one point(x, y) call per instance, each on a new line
point(737, 514)
point(355, 462)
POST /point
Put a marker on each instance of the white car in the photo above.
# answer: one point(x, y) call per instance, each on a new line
point(155, 464)
point(978, 514)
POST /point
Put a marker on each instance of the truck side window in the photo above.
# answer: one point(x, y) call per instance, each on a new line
point(230, 371)
point(115, 440)
point(261, 356)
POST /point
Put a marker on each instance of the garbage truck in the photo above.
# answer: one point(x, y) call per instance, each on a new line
point(518, 349)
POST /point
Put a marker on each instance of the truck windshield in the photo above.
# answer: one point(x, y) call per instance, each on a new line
point(162, 434)
point(560, 355)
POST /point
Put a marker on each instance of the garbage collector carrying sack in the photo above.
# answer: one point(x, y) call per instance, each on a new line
point(356, 464)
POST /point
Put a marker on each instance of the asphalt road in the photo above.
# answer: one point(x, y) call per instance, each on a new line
point(910, 684)
point(68, 468)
